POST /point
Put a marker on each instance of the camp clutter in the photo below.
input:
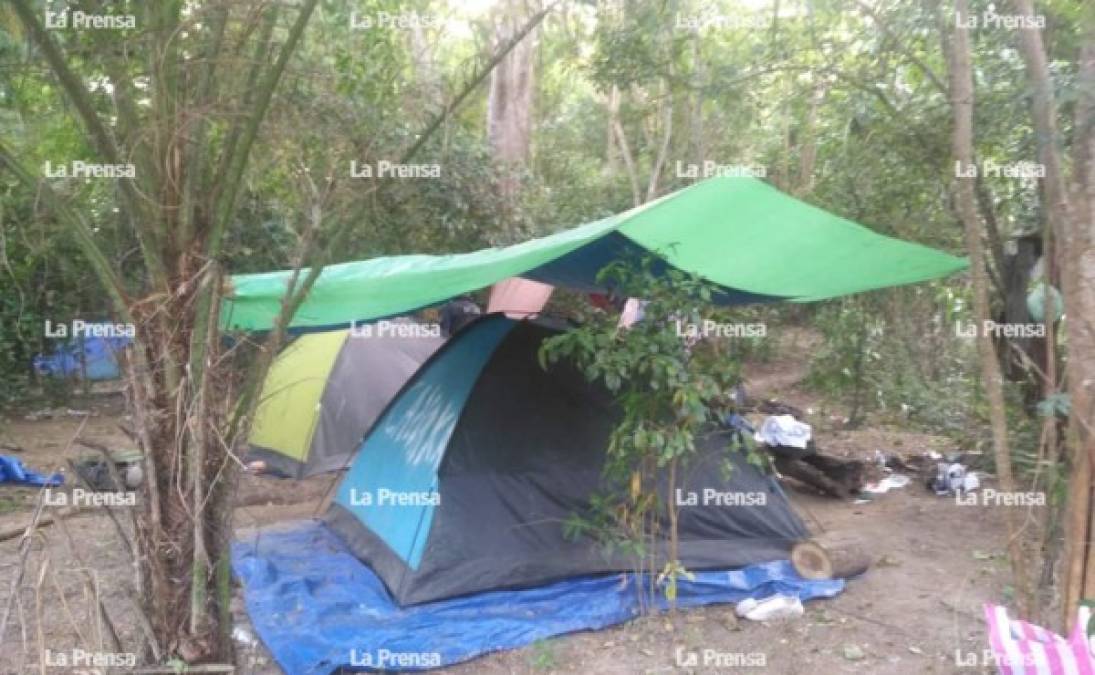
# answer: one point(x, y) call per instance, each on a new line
point(466, 457)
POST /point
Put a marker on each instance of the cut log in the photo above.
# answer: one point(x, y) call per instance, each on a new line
point(840, 478)
point(774, 407)
point(847, 472)
point(201, 668)
point(813, 559)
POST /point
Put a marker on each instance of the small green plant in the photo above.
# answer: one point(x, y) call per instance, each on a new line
point(9, 504)
point(543, 656)
point(671, 383)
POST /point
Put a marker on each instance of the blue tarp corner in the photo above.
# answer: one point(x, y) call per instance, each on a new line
point(12, 472)
point(318, 608)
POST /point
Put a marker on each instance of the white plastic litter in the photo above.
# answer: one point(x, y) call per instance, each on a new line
point(633, 312)
point(783, 430)
point(772, 608)
point(743, 607)
point(891, 482)
point(133, 476)
point(954, 478)
point(971, 482)
point(243, 636)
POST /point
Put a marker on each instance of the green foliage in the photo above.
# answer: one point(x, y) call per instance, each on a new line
point(632, 48)
point(40, 278)
point(669, 390)
point(895, 352)
point(849, 351)
point(737, 91)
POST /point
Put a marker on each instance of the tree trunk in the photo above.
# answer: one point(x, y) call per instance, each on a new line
point(808, 144)
point(674, 534)
point(185, 525)
point(620, 137)
point(509, 103)
point(666, 105)
point(1072, 218)
point(697, 135)
point(189, 414)
point(991, 377)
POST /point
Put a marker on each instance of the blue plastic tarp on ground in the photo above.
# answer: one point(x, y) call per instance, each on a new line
point(12, 472)
point(318, 608)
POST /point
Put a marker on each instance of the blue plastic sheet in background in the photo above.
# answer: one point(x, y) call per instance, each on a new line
point(318, 608)
point(13, 472)
point(93, 357)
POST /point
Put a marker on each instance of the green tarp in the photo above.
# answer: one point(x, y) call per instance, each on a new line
point(741, 233)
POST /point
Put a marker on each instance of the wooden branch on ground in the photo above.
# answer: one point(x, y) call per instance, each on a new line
point(171, 670)
point(24, 545)
point(840, 478)
point(807, 474)
point(129, 546)
point(90, 585)
point(24, 551)
point(773, 407)
point(43, 521)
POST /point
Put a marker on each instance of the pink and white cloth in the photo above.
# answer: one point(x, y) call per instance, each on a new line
point(1021, 648)
point(519, 298)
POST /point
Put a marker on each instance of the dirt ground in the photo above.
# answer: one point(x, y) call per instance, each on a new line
point(918, 609)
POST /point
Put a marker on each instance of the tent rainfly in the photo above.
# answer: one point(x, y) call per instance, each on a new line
point(742, 234)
